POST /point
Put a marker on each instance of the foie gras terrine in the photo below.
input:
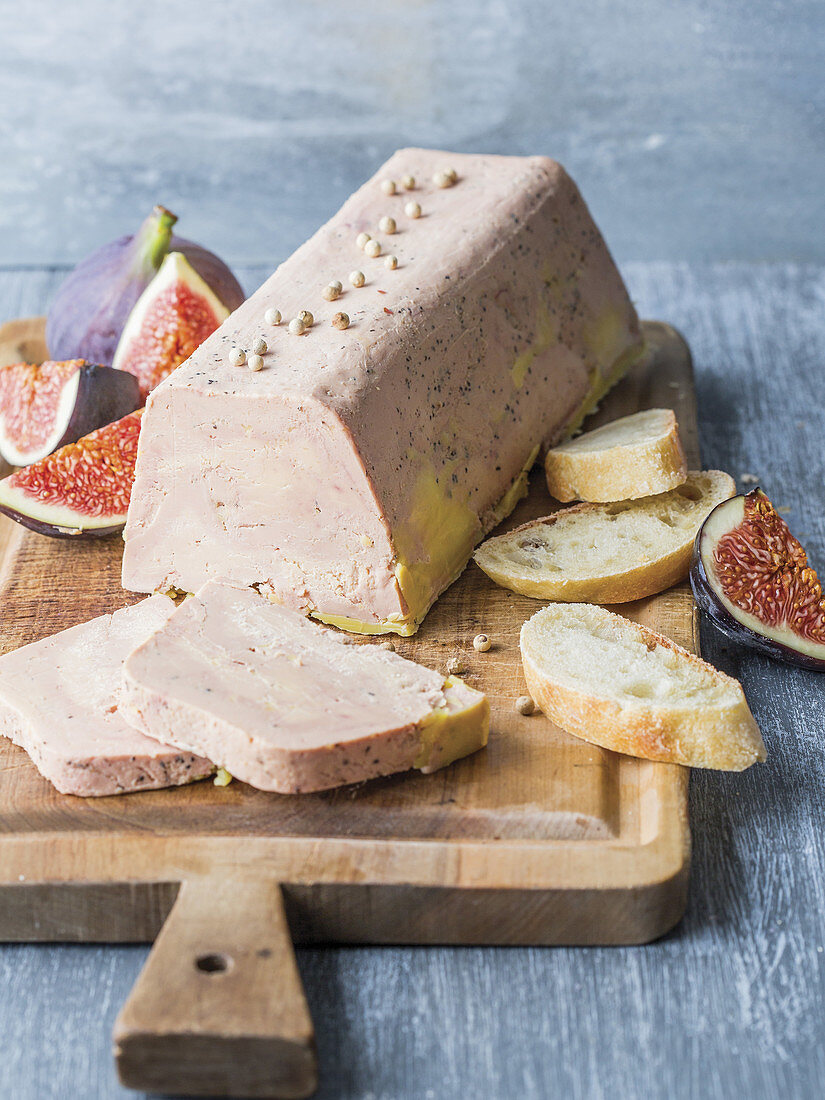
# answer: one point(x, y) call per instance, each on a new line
point(352, 476)
point(59, 702)
point(291, 706)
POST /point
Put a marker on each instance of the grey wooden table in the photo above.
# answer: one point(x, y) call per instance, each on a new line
point(694, 129)
point(732, 1003)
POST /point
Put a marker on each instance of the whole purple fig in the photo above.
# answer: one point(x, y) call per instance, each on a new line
point(95, 300)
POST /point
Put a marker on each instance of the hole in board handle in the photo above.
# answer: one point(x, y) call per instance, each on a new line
point(213, 964)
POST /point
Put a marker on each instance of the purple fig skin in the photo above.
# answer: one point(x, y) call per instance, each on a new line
point(47, 529)
point(95, 300)
point(103, 396)
point(708, 601)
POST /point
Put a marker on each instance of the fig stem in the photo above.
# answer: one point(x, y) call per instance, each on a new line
point(157, 233)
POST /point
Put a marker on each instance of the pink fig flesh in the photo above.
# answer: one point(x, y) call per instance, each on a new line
point(94, 302)
point(45, 406)
point(82, 490)
point(754, 581)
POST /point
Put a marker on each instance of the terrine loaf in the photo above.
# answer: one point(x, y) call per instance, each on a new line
point(59, 702)
point(352, 470)
point(291, 706)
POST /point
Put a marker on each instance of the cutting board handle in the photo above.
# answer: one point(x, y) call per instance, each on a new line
point(219, 1009)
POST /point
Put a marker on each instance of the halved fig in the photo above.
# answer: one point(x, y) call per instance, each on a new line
point(94, 302)
point(45, 406)
point(172, 317)
point(753, 579)
point(81, 490)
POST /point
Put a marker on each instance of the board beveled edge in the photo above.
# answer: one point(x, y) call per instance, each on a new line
point(602, 894)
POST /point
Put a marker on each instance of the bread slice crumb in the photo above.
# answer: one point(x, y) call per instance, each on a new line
point(620, 685)
point(606, 553)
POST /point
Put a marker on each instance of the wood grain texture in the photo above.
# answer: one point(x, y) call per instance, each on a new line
point(589, 846)
point(23, 340)
point(219, 1010)
point(732, 1002)
point(540, 838)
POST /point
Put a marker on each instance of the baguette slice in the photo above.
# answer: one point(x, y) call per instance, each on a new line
point(624, 687)
point(606, 553)
point(633, 457)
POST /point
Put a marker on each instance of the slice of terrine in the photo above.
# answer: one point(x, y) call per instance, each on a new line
point(353, 474)
point(291, 706)
point(59, 702)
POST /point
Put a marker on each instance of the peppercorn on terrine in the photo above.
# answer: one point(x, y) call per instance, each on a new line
point(352, 476)
point(291, 706)
point(58, 701)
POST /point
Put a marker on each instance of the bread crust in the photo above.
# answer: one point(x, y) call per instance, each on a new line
point(643, 579)
point(725, 738)
point(625, 471)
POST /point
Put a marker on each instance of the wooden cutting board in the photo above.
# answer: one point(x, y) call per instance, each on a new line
point(538, 839)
